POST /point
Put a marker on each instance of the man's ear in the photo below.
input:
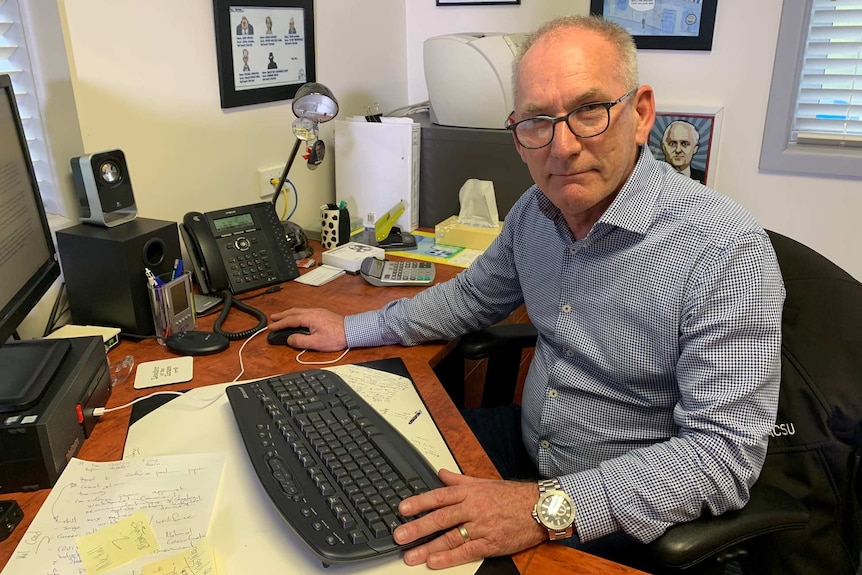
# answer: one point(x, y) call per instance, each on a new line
point(645, 109)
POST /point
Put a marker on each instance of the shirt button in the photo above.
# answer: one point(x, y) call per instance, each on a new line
point(544, 444)
point(566, 308)
point(552, 393)
point(573, 251)
point(570, 353)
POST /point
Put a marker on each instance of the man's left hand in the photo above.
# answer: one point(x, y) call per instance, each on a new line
point(496, 516)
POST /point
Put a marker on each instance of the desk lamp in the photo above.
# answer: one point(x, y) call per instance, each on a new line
point(312, 105)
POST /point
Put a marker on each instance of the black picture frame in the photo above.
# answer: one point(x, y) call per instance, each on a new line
point(256, 66)
point(698, 36)
point(475, 2)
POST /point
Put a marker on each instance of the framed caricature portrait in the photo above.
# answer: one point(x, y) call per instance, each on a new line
point(264, 48)
point(688, 140)
point(662, 24)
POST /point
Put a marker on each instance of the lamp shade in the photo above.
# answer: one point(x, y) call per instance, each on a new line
point(315, 102)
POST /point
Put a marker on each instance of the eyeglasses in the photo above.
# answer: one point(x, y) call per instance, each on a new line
point(587, 121)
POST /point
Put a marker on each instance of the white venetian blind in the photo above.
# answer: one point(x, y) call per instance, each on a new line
point(829, 104)
point(15, 61)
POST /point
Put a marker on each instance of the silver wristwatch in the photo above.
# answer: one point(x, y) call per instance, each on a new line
point(555, 510)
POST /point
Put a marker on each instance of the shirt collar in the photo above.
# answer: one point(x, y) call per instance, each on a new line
point(633, 208)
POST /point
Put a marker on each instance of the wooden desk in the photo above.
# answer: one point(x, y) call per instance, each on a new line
point(347, 294)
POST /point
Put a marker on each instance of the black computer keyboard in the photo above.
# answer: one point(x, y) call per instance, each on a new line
point(333, 467)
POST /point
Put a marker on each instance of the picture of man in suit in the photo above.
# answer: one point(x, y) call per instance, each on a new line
point(272, 65)
point(291, 28)
point(244, 28)
point(679, 143)
point(245, 67)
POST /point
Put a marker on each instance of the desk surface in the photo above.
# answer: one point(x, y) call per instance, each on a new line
point(348, 294)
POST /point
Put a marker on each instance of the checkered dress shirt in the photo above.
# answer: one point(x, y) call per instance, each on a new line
point(656, 373)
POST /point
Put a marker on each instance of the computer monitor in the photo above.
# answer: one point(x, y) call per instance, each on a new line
point(28, 264)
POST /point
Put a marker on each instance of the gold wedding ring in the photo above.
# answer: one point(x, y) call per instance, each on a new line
point(463, 531)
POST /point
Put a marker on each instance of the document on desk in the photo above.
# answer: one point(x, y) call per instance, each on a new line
point(176, 494)
point(247, 533)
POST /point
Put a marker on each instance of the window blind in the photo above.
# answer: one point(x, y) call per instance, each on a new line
point(829, 102)
point(15, 61)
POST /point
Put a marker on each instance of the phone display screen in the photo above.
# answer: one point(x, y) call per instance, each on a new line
point(237, 221)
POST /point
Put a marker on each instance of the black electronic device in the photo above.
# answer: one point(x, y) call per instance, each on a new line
point(238, 249)
point(312, 440)
point(193, 342)
point(105, 271)
point(38, 440)
point(10, 517)
point(385, 273)
point(104, 188)
point(28, 261)
point(279, 336)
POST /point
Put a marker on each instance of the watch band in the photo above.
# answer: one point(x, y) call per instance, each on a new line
point(553, 485)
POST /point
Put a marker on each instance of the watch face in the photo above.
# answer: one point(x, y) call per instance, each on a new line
point(555, 510)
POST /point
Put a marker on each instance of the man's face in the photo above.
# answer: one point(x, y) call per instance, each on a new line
point(244, 24)
point(567, 69)
point(679, 146)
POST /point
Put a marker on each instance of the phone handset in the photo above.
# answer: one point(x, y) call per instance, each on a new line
point(207, 263)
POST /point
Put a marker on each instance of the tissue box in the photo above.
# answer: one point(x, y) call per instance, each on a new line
point(349, 256)
point(451, 233)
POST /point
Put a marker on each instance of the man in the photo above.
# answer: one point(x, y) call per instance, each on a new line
point(245, 66)
point(680, 143)
point(658, 303)
point(244, 28)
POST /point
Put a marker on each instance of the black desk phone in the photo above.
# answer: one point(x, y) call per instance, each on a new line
point(238, 249)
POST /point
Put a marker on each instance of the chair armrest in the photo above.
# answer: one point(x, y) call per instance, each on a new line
point(768, 510)
point(497, 339)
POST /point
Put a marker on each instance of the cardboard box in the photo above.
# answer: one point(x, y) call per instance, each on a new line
point(451, 233)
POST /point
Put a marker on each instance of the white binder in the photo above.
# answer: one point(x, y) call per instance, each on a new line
point(376, 166)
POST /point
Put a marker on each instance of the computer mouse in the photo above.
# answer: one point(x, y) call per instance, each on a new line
point(279, 336)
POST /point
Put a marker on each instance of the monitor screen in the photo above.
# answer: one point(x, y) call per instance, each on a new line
point(28, 261)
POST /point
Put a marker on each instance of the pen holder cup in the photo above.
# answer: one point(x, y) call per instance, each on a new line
point(173, 306)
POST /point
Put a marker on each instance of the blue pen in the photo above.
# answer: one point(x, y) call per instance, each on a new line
point(178, 269)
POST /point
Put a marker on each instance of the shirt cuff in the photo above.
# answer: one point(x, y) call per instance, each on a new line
point(593, 518)
point(363, 330)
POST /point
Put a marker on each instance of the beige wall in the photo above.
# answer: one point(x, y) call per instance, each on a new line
point(154, 94)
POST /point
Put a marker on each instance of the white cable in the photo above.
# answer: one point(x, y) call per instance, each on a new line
point(100, 411)
point(241, 365)
point(337, 359)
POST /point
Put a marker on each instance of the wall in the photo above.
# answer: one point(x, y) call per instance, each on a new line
point(155, 95)
point(735, 75)
point(145, 81)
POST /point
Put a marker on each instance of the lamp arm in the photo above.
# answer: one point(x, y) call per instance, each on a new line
point(286, 170)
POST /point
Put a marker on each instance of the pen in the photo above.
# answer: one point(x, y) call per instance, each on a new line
point(152, 278)
point(415, 416)
point(178, 269)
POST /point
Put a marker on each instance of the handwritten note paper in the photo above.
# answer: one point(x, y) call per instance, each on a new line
point(117, 544)
point(176, 493)
point(396, 399)
point(164, 372)
point(198, 560)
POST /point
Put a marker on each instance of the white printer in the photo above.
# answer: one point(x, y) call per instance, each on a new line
point(469, 78)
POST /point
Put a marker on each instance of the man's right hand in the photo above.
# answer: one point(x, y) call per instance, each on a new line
point(326, 328)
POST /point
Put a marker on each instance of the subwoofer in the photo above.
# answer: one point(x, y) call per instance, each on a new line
point(104, 270)
point(104, 188)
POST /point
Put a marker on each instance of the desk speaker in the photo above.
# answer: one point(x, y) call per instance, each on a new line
point(104, 188)
point(104, 271)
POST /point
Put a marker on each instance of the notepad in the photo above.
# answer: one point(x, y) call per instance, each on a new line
point(320, 275)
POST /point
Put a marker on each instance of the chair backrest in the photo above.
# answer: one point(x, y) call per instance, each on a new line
point(815, 445)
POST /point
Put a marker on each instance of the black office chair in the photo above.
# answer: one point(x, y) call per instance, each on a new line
point(804, 513)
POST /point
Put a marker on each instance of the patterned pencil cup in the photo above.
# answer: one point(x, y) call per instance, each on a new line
point(334, 226)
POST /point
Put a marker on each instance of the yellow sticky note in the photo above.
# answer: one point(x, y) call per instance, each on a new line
point(117, 544)
point(199, 560)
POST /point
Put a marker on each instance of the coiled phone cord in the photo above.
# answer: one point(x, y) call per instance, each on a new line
point(229, 302)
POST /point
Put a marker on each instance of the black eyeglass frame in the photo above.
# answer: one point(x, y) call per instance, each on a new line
point(565, 117)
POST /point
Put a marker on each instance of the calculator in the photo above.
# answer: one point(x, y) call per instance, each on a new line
point(390, 273)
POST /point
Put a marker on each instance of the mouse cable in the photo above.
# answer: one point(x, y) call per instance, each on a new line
point(100, 411)
point(228, 304)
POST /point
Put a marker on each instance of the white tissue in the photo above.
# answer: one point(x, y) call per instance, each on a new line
point(478, 204)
